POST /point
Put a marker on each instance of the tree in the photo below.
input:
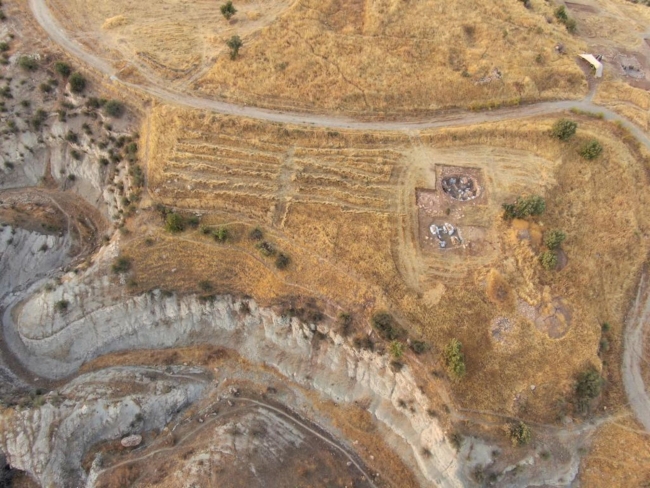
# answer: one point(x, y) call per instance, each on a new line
point(234, 43)
point(564, 129)
point(121, 265)
point(62, 68)
point(174, 223)
point(220, 234)
point(114, 108)
point(282, 261)
point(77, 83)
point(396, 349)
point(533, 205)
point(591, 149)
point(28, 63)
point(385, 325)
point(454, 359)
point(548, 260)
point(554, 238)
point(228, 10)
point(589, 384)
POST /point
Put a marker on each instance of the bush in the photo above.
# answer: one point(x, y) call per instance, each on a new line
point(548, 260)
point(62, 68)
point(174, 223)
point(589, 384)
point(28, 63)
point(345, 322)
point(114, 108)
point(4, 47)
point(396, 349)
point(61, 305)
point(419, 347)
point(122, 264)
point(454, 359)
point(220, 234)
point(234, 43)
point(228, 10)
point(564, 129)
point(385, 325)
point(523, 207)
point(520, 434)
point(205, 286)
point(256, 234)
point(72, 137)
point(77, 83)
point(591, 149)
point(266, 248)
point(554, 238)
point(282, 261)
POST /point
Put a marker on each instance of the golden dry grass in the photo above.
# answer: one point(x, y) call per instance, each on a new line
point(619, 456)
point(342, 205)
point(387, 56)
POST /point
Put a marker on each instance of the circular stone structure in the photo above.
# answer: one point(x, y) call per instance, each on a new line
point(461, 187)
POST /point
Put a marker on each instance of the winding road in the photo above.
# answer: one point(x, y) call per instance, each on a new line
point(640, 313)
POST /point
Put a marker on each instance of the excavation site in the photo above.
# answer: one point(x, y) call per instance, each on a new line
point(299, 243)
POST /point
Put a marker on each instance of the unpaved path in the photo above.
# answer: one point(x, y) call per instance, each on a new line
point(638, 397)
point(451, 119)
point(637, 321)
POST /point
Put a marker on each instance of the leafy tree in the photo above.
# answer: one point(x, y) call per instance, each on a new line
point(554, 238)
point(220, 234)
point(564, 129)
point(385, 324)
point(589, 384)
point(234, 43)
point(77, 83)
point(454, 359)
point(114, 108)
point(174, 222)
point(520, 434)
point(591, 149)
point(548, 260)
point(62, 68)
point(228, 10)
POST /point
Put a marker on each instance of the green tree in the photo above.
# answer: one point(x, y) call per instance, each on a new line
point(396, 349)
point(564, 129)
point(548, 260)
point(532, 205)
point(385, 325)
point(77, 83)
point(174, 223)
point(220, 234)
point(228, 10)
point(454, 359)
point(62, 68)
point(234, 43)
point(589, 384)
point(553, 239)
point(591, 149)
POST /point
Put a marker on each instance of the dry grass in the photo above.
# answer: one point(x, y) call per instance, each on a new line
point(387, 56)
point(619, 456)
point(342, 206)
point(632, 103)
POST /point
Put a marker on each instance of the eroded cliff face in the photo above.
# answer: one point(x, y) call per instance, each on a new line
point(98, 322)
point(49, 440)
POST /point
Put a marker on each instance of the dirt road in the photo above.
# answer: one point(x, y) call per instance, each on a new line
point(637, 394)
point(633, 341)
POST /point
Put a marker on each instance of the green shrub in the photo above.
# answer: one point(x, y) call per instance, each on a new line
point(553, 239)
point(122, 264)
point(523, 207)
point(28, 63)
point(564, 129)
point(282, 261)
point(220, 234)
point(72, 137)
point(591, 149)
point(62, 68)
point(4, 47)
point(396, 349)
point(193, 221)
point(589, 384)
point(205, 286)
point(560, 14)
point(174, 223)
point(385, 325)
point(548, 260)
point(77, 83)
point(114, 108)
point(256, 234)
point(61, 306)
point(520, 434)
point(228, 10)
point(454, 359)
point(234, 43)
point(266, 248)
